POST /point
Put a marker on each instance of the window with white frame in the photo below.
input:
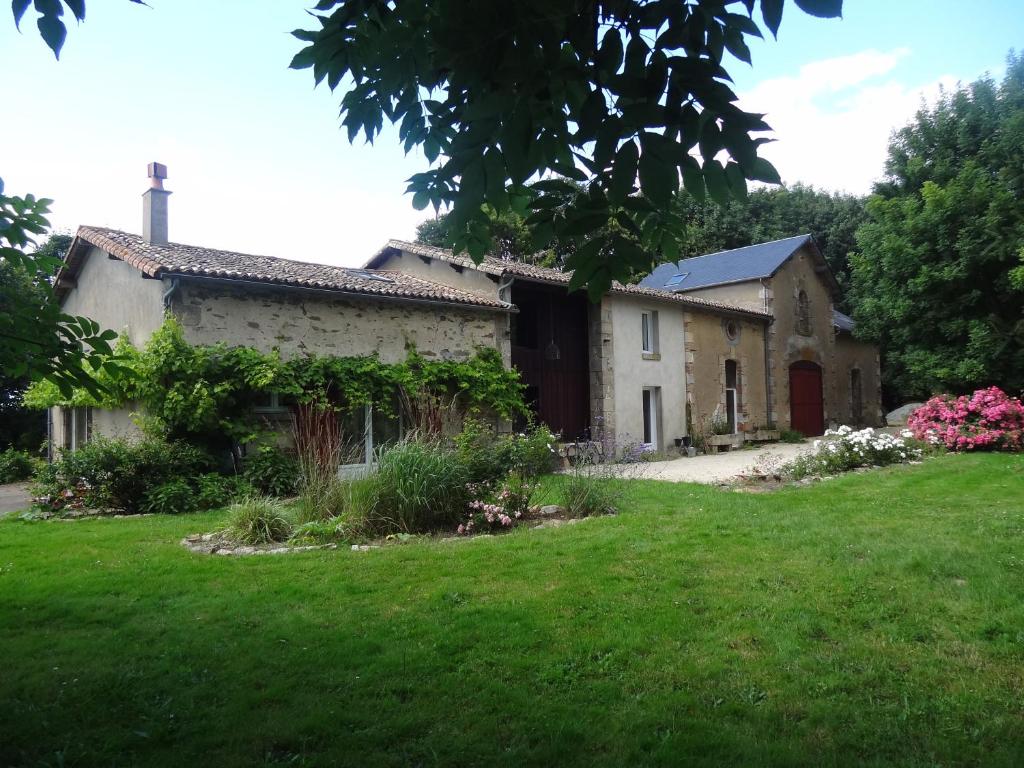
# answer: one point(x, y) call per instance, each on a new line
point(76, 427)
point(651, 409)
point(364, 431)
point(649, 332)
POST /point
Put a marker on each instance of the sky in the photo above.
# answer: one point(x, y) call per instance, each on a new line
point(257, 161)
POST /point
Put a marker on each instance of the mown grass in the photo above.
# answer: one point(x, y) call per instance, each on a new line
point(875, 619)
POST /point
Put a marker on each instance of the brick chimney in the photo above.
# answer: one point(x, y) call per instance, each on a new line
point(154, 206)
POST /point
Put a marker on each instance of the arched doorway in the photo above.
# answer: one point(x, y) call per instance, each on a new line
point(806, 404)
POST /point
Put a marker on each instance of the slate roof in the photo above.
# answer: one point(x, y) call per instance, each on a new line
point(492, 265)
point(189, 260)
point(842, 322)
point(724, 267)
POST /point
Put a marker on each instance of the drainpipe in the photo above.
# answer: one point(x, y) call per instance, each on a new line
point(169, 292)
point(767, 358)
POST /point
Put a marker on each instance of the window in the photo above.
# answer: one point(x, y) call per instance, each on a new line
point(856, 397)
point(803, 314)
point(732, 330)
point(651, 415)
point(676, 280)
point(731, 395)
point(77, 427)
point(649, 332)
point(363, 431)
point(270, 402)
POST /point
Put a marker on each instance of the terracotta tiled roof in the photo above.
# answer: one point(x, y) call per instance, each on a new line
point(498, 267)
point(189, 260)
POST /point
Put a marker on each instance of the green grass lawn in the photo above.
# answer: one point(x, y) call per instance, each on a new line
point(875, 619)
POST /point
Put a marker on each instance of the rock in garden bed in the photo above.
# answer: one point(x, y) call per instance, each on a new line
point(219, 544)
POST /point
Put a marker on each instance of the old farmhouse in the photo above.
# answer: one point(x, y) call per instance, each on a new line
point(749, 336)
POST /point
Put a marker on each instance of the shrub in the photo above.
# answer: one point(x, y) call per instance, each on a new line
point(16, 466)
point(172, 497)
point(418, 485)
point(117, 473)
point(592, 488)
point(258, 520)
point(272, 471)
point(989, 419)
point(852, 449)
point(501, 508)
point(333, 529)
point(489, 457)
point(791, 436)
point(214, 490)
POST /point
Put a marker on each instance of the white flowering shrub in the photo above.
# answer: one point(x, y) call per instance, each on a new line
point(847, 448)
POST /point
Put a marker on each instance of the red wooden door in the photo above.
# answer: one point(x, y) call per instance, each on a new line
point(806, 404)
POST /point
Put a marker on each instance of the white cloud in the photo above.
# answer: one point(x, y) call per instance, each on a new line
point(833, 119)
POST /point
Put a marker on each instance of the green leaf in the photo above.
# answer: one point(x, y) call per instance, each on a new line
point(737, 181)
point(765, 171)
point(693, 181)
point(53, 33)
point(624, 171)
point(823, 9)
point(771, 12)
point(421, 200)
point(77, 8)
point(19, 7)
point(714, 178)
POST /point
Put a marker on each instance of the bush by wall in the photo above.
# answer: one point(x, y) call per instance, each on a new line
point(989, 419)
point(272, 471)
point(16, 465)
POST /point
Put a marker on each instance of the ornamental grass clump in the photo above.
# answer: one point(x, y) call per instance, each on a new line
point(258, 520)
point(419, 485)
point(850, 449)
point(989, 419)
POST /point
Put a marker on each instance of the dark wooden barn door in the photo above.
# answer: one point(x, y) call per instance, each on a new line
point(550, 349)
point(806, 403)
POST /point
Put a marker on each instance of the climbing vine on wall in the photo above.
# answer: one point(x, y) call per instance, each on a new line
point(207, 393)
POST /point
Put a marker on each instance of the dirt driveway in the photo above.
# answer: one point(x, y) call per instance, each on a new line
point(14, 497)
point(712, 468)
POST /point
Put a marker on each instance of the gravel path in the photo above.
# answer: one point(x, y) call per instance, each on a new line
point(713, 468)
point(14, 498)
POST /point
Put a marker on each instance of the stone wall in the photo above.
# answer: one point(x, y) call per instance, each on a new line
point(861, 356)
point(602, 374)
point(304, 322)
point(708, 347)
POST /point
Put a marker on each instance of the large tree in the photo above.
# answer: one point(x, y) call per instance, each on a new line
point(933, 277)
point(628, 97)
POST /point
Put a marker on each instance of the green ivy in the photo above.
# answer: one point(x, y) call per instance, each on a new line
point(207, 393)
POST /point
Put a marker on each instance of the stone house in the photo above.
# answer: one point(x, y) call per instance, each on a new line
point(647, 364)
point(615, 371)
point(817, 373)
point(127, 282)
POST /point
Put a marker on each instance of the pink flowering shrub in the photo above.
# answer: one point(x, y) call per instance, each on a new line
point(497, 508)
point(987, 420)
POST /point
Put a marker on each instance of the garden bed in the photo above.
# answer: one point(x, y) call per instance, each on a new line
point(221, 542)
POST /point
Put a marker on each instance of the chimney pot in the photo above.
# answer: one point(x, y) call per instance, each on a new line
point(154, 206)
